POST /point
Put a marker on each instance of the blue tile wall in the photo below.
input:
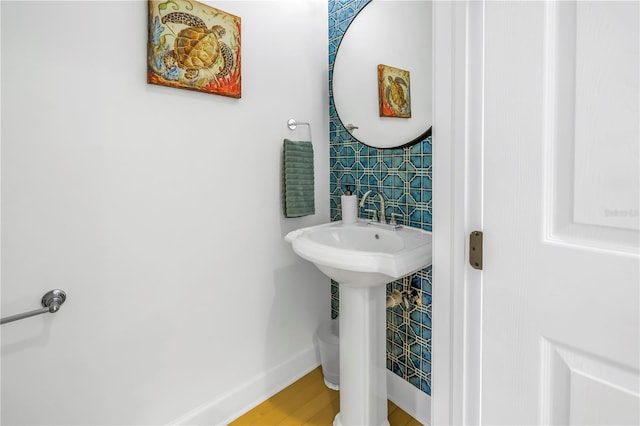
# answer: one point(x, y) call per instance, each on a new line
point(404, 176)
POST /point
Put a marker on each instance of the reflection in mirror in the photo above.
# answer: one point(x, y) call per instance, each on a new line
point(397, 34)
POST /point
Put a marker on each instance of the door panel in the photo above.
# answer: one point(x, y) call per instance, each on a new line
point(591, 108)
point(560, 322)
point(579, 389)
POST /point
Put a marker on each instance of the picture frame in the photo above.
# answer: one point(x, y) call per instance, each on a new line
point(194, 46)
point(394, 92)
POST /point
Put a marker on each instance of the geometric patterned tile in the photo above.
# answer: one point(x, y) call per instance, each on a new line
point(404, 176)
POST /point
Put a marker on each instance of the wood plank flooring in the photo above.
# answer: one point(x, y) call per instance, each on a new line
point(308, 402)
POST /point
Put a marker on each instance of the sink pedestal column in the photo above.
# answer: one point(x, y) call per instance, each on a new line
point(363, 371)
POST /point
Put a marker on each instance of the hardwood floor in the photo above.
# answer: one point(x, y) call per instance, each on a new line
point(308, 402)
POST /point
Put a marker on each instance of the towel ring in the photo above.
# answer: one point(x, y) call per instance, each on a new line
point(292, 124)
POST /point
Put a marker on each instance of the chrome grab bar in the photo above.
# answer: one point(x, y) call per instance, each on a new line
point(51, 302)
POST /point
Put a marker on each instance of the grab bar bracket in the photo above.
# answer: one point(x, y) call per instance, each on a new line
point(51, 302)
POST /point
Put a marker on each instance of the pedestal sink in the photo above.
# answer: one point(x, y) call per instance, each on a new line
point(362, 258)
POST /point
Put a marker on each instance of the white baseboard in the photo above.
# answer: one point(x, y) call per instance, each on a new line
point(409, 398)
point(243, 398)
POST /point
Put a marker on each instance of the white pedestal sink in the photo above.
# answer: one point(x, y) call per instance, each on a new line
point(362, 258)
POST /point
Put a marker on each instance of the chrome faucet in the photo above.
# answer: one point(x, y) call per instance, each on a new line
point(383, 219)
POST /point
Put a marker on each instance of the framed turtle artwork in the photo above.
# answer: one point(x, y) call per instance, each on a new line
point(194, 46)
point(394, 94)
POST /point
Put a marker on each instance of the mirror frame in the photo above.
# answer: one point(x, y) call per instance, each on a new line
point(344, 125)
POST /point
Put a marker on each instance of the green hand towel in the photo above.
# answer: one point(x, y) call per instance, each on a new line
point(298, 182)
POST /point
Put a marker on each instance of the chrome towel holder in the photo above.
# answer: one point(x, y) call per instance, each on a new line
point(293, 124)
point(51, 302)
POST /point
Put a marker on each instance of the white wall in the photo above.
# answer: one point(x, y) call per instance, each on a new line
point(158, 211)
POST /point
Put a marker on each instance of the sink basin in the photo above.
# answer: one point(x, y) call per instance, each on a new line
point(361, 254)
point(362, 258)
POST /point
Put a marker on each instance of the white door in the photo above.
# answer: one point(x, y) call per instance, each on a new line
point(560, 301)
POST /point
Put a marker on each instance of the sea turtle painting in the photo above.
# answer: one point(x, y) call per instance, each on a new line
point(193, 46)
point(393, 92)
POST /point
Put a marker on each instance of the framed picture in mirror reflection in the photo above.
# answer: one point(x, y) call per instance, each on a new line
point(394, 94)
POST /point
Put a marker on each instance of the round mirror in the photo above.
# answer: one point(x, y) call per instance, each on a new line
point(382, 74)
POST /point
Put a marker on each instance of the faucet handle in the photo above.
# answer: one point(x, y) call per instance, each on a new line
point(374, 214)
point(393, 218)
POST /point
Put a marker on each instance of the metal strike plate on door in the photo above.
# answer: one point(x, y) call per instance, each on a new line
point(475, 250)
